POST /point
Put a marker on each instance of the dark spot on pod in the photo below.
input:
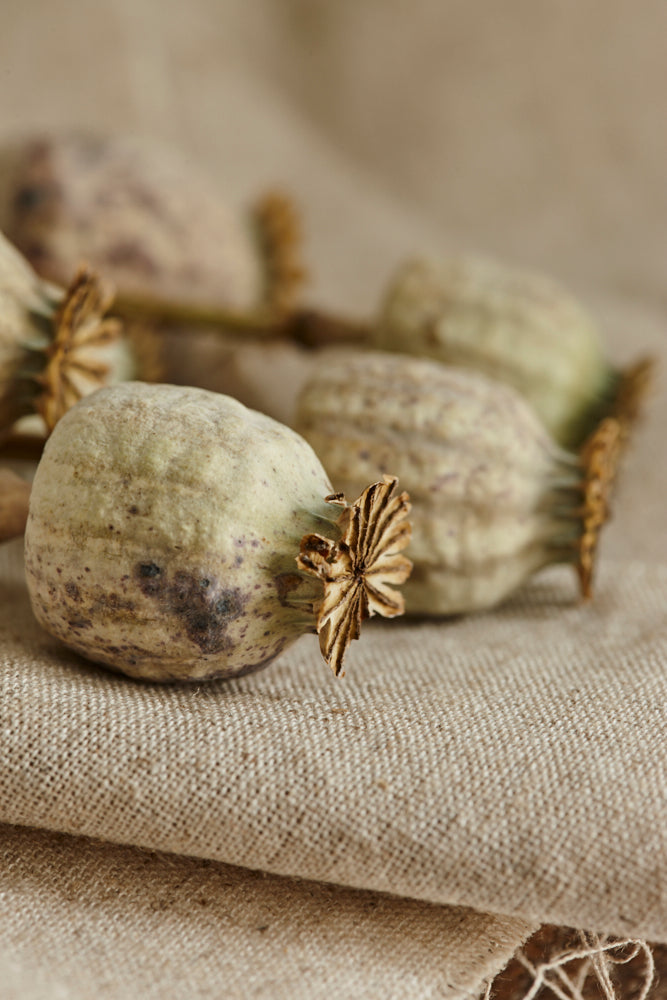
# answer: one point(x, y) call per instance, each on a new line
point(34, 196)
point(72, 591)
point(227, 604)
point(149, 578)
point(285, 584)
point(149, 569)
point(79, 623)
point(247, 668)
point(114, 602)
point(204, 607)
point(133, 509)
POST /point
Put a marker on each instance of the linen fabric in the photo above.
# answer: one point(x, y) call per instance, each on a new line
point(492, 773)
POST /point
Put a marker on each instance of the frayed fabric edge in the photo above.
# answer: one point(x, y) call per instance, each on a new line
point(595, 958)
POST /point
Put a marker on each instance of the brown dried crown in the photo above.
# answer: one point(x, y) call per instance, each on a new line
point(599, 456)
point(358, 569)
point(72, 369)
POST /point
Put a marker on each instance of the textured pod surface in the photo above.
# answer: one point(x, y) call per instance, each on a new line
point(493, 498)
point(138, 213)
point(515, 326)
point(27, 308)
point(55, 346)
point(163, 531)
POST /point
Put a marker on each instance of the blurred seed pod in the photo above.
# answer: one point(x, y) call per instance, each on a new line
point(157, 228)
point(515, 326)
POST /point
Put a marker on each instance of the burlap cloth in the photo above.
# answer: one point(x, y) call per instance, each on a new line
point(496, 772)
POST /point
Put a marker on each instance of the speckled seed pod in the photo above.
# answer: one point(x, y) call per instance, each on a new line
point(175, 535)
point(55, 346)
point(515, 326)
point(149, 221)
point(493, 498)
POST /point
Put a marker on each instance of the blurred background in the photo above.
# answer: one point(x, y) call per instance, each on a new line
point(535, 132)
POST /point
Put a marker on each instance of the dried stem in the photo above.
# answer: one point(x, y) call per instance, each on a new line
point(24, 446)
point(633, 386)
point(14, 497)
point(358, 569)
point(279, 226)
point(308, 327)
point(134, 305)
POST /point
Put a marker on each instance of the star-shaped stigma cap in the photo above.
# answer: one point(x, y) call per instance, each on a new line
point(360, 570)
point(75, 365)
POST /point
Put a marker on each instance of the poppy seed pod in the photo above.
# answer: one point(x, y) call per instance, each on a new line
point(494, 499)
point(55, 346)
point(517, 327)
point(150, 221)
point(174, 534)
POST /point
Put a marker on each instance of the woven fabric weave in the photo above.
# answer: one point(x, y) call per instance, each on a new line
point(514, 762)
point(71, 907)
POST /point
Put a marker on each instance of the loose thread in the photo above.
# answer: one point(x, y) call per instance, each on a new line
point(597, 956)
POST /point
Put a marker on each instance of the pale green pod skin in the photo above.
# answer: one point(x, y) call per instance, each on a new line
point(514, 326)
point(163, 531)
point(27, 308)
point(29, 311)
point(494, 499)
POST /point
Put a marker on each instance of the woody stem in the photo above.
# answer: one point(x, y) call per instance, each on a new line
point(308, 327)
point(14, 497)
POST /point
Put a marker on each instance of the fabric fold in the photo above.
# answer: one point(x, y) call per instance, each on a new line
point(512, 763)
point(186, 927)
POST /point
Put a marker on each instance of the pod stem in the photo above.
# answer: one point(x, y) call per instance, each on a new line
point(599, 457)
point(73, 368)
point(278, 224)
point(307, 327)
point(358, 569)
point(259, 322)
point(633, 385)
point(23, 446)
point(14, 497)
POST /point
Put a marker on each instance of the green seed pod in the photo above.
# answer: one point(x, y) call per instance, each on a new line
point(515, 326)
point(55, 346)
point(494, 499)
point(175, 535)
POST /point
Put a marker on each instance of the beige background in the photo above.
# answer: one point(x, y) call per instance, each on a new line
point(535, 131)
